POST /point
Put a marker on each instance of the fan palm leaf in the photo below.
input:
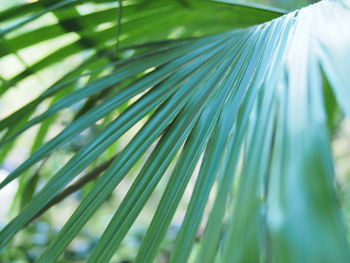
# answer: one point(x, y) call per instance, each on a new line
point(248, 106)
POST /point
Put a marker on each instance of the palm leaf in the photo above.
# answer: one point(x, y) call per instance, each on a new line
point(252, 102)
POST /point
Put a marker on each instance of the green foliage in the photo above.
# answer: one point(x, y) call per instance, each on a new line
point(245, 93)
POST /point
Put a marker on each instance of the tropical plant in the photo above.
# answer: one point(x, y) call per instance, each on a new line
point(248, 93)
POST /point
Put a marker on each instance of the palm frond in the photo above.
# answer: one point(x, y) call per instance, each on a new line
point(152, 21)
point(247, 105)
